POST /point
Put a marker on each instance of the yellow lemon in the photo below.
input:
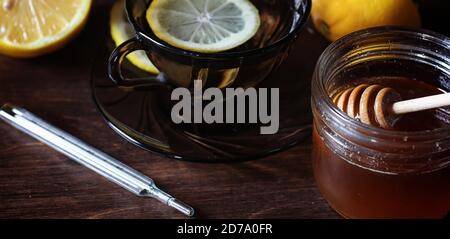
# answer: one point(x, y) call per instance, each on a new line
point(336, 18)
point(204, 25)
point(36, 27)
point(121, 31)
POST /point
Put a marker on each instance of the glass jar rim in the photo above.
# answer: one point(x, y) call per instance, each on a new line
point(364, 34)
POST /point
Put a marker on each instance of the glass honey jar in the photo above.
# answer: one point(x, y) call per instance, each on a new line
point(369, 172)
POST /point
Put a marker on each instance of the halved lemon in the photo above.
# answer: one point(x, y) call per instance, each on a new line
point(121, 30)
point(204, 25)
point(31, 28)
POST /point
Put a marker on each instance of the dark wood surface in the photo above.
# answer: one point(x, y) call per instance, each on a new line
point(37, 182)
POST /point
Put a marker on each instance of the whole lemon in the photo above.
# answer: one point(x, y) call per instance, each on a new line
point(337, 18)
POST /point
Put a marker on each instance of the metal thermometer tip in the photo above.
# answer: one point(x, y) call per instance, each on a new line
point(86, 155)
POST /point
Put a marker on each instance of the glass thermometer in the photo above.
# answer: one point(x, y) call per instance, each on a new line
point(90, 157)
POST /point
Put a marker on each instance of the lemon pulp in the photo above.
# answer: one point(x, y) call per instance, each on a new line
point(34, 27)
point(204, 25)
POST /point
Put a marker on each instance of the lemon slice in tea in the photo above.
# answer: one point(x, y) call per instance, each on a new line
point(36, 27)
point(121, 30)
point(204, 25)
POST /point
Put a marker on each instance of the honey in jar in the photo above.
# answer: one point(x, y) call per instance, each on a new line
point(368, 172)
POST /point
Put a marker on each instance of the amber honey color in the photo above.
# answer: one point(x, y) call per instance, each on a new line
point(356, 191)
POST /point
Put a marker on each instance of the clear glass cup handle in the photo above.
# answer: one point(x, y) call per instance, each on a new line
point(115, 70)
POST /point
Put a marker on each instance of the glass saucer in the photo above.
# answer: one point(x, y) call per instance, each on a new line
point(142, 117)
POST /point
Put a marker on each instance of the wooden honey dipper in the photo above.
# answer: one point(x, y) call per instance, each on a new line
point(382, 106)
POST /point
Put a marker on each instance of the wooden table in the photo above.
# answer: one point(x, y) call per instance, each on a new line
point(37, 182)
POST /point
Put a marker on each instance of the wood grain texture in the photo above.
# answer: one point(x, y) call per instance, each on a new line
point(37, 182)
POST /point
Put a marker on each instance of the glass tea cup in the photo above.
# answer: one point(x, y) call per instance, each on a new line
point(244, 66)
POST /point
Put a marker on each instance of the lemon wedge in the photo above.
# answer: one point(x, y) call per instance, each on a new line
point(30, 28)
point(204, 25)
point(121, 30)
